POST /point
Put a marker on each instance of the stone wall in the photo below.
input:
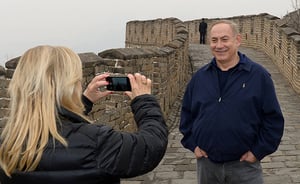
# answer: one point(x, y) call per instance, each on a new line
point(269, 34)
point(159, 49)
point(163, 58)
point(4, 100)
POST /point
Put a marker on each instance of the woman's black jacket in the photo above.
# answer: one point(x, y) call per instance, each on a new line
point(99, 154)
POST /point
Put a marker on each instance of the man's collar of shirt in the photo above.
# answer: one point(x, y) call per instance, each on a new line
point(243, 64)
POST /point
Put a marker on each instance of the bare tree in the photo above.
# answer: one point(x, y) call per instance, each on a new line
point(293, 18)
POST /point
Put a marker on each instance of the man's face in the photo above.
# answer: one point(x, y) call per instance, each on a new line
point(224, 43)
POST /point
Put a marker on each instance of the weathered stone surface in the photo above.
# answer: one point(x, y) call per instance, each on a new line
point(2, 71)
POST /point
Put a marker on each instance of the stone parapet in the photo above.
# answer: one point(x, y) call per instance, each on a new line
point(156, 48)
point(163, 58)
point(159, 49)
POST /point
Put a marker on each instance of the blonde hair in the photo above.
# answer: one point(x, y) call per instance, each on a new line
point(46, 78)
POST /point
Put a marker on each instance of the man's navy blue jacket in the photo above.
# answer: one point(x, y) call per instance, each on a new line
point(245, 116)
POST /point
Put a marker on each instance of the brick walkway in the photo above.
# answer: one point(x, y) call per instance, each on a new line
point(282, 167)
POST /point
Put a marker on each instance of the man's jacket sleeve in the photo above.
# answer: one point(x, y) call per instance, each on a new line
point(186, 121)
point(271, 131)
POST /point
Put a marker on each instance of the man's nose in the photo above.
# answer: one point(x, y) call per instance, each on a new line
point(219, 44)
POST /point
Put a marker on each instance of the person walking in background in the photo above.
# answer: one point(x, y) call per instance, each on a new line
point(202, 31)
point(230, 116)
point(48, 139)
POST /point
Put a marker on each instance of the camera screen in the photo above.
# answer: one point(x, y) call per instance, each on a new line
point(118, 84)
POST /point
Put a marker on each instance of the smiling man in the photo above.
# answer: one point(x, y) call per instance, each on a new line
point(230, 116)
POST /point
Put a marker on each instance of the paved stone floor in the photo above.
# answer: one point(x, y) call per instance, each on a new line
point(282, 167)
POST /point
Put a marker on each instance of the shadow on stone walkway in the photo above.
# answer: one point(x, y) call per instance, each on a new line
point(282, 167)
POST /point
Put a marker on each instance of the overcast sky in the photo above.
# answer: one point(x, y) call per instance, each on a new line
point(97, 25)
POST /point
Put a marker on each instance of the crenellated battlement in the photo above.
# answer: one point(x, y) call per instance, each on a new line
point(165, 62)
point(159, 49)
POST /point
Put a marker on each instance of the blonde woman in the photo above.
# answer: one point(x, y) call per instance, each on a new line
point(48, 139)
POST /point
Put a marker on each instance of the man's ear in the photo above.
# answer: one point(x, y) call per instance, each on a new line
point(238, 39)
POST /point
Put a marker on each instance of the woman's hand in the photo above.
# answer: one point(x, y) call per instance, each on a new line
point(92, 91)
point(140, 85)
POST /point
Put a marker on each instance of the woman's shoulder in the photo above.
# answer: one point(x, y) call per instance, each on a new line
point(85, 131)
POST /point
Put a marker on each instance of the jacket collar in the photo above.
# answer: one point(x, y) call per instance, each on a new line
point(66, 114)
point(244, 63)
